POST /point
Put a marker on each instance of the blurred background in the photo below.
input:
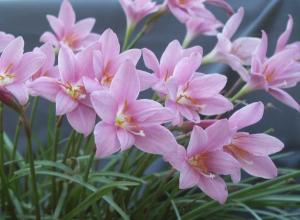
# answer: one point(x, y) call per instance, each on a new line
point(28, 18)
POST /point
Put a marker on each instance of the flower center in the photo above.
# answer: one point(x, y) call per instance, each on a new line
point(6, 77)
point(199, 163)
point(125, 121)
point(77, 92)
point(238, 153)
point(70, 40)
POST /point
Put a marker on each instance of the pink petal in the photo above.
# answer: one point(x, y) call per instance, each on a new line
point(218, 134)
point(259, 166)
point(66, 65)
point(91, 85)
point(125, 138)
point(105, 106)
point(177, 158)
point(214, 188)
point(223, 4)
point(285, 36)
point(128, 91)
point(133, 54)
point(284, 97)
point(186, 67)
point(29, 64)
point(64, 103)
point(84, 27)
point(19, 91)
point(13, 53)
point(110, 46)
point(5, 39)
point(244, 48)
point(258, 144)
point(45, 87)
point(189, 113)
point(207, 85)
point(247, 116)
point(67, 14)
point(215, 105)
point(233, 23)
point(170, 57)
point(197, 142)
point(157, 140)
point(147, 80)
point(148, 112)
point(106, 140)
point(188, 177)
point(56, 25)
point(262, 48)
point(48, 37)
point(48, 51)
point(150, 60)
point(98, 65)
point(222, 163)
point(82, 119)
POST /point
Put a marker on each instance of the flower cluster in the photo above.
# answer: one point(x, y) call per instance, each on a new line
point(93, 77)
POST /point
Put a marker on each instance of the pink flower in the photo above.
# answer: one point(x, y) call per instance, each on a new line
point(206, 24)
point(127, 121)
point(68, 92)
point(48, 69)
point(164, 69)
point(184, 9)
point(16, 68)
point(136, 10)
point(192, 93)
point(204, 160)
point(236, 53)
point(5, 39)
point(277, 72)
point(75, 35)
point(252, 150)
point(106, 61)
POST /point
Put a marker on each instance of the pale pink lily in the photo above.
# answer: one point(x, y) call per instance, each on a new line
point(252, 150)
point(192, 93)
point(69, 92)
point(16, 68)
point(5, 39)
point(48, 69)
point(164, 69)
point(184, 9)
point(136, 10)
point(204, 160)
point(206, 24)
point(234, 53)
point(127, 121)
point(107, 59)
point(66, 32)
point(276, 73)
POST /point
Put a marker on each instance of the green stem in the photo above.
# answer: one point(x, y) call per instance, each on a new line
point(187, 41)
point(27, 127)
point(69, 146)
point(4, 184)
point(89, 166)
point(147, 26)
point(16, 139)
point(129, 30)
point(3, 179)
point(54, 158)
point(234, 87)
point(33, 110)
point(242, 92)
point(209, 58)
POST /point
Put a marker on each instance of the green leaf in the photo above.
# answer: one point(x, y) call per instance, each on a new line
point(93, 198)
